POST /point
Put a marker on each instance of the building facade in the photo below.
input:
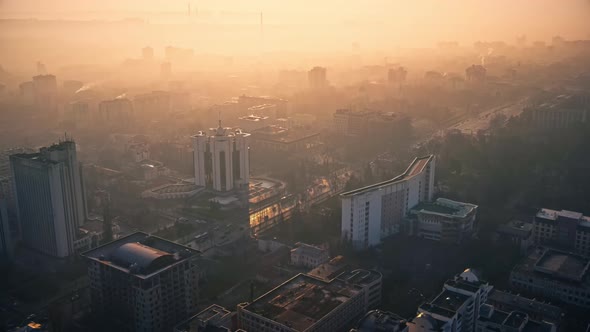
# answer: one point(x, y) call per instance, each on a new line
point(443, 220)
point(222, 159)
point(553, 274)
point(564, 229)
point(143, 283)
point(5, 237)
point(516, 232)
point(50, 198)
point(213, 319)
point(492, 319)
point(116, 113)
point(317, 78)
point(309, 256)
point(456, 308)
point(377, 211)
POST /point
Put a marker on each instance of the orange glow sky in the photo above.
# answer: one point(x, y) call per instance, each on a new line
point(371, 22)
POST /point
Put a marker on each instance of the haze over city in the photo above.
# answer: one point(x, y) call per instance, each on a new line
point(355, 166)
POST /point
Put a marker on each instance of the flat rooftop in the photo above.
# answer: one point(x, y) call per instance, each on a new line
point(140, 254)
point(416, 167)
point(516, 227)
point(302, 301)
point(360, 277)
point(548, 311)
point(564, 265)
point(211, 319)
point(254, 118)
point(279, 134)
point(449, 301)
point(553, 215)
point(308, 250)
point(446, 207)
point(330, 270)
point(377, 320)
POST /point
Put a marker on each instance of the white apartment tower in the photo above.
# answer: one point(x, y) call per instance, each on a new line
point(377, 211)
point(50, 198)
point(221, 159)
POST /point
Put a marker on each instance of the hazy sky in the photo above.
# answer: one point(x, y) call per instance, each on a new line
point(371, 22)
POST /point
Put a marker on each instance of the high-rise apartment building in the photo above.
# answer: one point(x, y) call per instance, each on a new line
point(221, 159)
point(50, 198)
point(143, 283)
point(5, 240)
point(377, 211)
point(118, 112)
point(45, 92)
point(317, 77)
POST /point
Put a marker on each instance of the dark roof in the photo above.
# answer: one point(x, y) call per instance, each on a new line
point(450, 300)
point(139, 255)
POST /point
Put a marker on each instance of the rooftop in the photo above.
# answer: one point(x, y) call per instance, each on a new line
point(445, 207)
point(212, 319)
point(516, 227)
point(548, 311)
point(302, 301)
point(416, 167)
point(330, 270)
point(308, 250)
point(254, 118)
point(360, 277)
point(381, 321)
point(449, 301)
point(553, 215)
point(279, 134)
point(563, 265)
point(261, 108)
point(140, 254)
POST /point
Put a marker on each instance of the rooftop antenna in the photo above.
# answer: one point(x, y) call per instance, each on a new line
point(219, 117)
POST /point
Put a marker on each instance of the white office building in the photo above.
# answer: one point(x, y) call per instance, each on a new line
point(377, 211)
point(221, 159)
point(50, 198)
point(456, 308)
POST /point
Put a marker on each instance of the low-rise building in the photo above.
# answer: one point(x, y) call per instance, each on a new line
point(443, 220)
point(306, 255)
point(516, 232)
point(305, 303)
point(555, 275)
point(253, 122)
point(278, 139)
point(563, 111)
point(377, 321)
point(179, 190)
point(330, 270)
point(565, 229)
point(213, 319)
point(535, 309)
point(494, 320)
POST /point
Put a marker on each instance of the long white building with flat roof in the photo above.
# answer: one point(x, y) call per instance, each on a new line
point(377, 211)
